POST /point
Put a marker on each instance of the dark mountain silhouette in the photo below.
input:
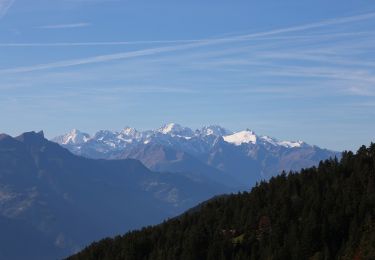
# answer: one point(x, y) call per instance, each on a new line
point(53, 202)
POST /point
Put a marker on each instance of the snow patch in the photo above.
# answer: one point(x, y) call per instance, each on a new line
point(243, 137)
point(290, 144)
point(269, 140)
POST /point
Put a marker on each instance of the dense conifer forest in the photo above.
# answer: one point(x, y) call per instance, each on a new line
point(324, 212)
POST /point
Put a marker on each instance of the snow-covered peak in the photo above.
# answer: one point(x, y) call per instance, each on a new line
point(129, 131)
point(269, 140)
point(176, 130)
point(75, 137)
point(214, 130)
point(170, 128)
point(287, 144)
point(104, 135)
point(291, 144)
point(130, 135)
point(242, 137)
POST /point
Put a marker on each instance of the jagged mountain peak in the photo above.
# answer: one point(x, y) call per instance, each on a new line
point(129, 131)
point(214, 130)
point(176, 129)
point(104, 134)
point(74, 137)
point(31, 136)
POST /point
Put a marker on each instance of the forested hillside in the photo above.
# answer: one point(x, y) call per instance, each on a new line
point(324, 212)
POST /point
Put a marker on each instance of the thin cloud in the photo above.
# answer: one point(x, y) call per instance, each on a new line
point(325, 23)
point(73, 44)
point(4, 6)
point(98, 59)
point(64, 26)
point(243, 37)
point(191, 45)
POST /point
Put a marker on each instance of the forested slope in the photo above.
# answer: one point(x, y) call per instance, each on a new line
point(324, 212)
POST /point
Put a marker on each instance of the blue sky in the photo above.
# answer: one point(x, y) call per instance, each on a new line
point(297, 70)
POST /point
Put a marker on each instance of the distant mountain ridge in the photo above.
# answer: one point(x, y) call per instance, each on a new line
point(119, 139)
point(54, 202)
point(241, 157)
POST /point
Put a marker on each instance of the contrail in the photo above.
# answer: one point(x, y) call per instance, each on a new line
point(68, 44)
point(191, 45)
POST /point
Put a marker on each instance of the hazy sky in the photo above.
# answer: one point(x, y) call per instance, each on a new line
point(298, 70)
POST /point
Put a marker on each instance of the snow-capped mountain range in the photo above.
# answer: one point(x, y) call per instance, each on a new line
point(243, 156)
point(121, 139)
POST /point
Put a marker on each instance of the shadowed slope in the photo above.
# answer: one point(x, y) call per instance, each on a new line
point(62, 202)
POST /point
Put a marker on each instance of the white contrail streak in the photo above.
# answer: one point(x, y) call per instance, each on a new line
point(191, 45)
